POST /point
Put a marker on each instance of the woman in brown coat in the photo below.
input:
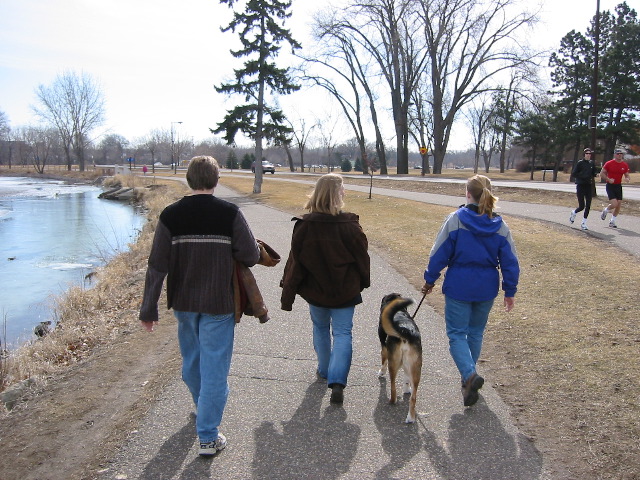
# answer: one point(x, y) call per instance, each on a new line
point(328, 266)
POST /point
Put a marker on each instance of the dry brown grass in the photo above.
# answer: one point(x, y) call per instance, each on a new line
point(58, 172)
point(512, 194)
point(566, 359)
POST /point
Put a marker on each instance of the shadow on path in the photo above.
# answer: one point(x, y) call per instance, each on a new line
point(479, 448)
point(313, 444)
point(400, 441)
point(168, 461)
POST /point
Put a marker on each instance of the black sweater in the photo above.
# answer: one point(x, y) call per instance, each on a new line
point(195, 243)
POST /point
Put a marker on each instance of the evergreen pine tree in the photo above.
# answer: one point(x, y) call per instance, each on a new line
point(261, 34)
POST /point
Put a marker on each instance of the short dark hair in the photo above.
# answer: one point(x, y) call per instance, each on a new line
point(203, 173)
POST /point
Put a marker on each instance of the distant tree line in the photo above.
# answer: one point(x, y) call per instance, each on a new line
point(425, 64)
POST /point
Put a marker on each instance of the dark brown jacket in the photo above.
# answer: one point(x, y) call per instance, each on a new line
point(328, 264)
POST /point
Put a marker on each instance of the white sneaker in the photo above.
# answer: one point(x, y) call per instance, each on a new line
point(612, 224)
point(211, 448)
point(584, 226)
point(572, 216)
point(603, 215)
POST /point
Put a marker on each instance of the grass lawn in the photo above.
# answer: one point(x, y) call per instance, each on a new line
point(566, 358)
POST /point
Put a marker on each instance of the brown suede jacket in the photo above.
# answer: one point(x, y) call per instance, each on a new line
point(328, 264)
point(246, 294)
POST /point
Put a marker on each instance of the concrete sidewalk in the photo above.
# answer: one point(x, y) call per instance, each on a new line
point(279, 423)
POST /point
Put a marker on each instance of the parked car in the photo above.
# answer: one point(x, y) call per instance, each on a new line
point(266, 167)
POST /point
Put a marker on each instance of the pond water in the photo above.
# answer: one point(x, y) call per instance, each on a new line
point(52, 235)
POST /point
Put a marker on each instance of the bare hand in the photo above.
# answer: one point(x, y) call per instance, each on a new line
point(427, 288)
point(508, 303)
point(148, 326)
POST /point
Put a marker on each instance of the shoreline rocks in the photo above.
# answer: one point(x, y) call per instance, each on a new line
point(119, 193)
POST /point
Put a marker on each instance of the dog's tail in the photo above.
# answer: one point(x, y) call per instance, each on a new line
point(389, 311)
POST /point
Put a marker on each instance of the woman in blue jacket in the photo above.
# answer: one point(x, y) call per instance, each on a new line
point(473, 244)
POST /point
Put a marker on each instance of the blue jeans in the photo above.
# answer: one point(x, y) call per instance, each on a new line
point(466, 322)
point(334, 362)
point(206, 345)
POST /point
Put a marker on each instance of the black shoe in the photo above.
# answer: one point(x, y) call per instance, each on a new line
point(337, 393)
point(470, 389)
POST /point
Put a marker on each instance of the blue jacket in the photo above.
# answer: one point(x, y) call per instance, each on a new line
point(473, 247)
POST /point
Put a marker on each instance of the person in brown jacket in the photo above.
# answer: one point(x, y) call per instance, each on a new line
point(328, 266)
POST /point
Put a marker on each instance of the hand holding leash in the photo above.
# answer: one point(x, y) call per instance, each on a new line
point(427, 288)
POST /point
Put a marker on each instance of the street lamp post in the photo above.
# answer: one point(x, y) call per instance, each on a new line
point(594, 82)
point(593, 124)
point(174, 163)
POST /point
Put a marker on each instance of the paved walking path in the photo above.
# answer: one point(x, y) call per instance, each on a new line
point(626, 236)
point(279, 422)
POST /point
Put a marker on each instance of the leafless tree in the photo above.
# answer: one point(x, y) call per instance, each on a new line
point(4, 126)
point(389, 30)
point(481, 117)
point(349, 79)
point(154, 141)
point(112, 147)
point(470, 44)
point(37, 145)
point(5, 146)
point(214, 147)
point(421, 119)
point(301, 137)
point(74, 105)
point(326, 131)
point(523, 86)
point(182, 147)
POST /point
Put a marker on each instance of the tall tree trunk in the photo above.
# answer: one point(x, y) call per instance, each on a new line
point(289, 157)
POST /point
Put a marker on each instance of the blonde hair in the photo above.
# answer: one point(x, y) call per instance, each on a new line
point(203, 173)
point(479, 187)
point(327, 195)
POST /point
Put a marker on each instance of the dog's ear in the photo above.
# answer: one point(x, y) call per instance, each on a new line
point(387, 298)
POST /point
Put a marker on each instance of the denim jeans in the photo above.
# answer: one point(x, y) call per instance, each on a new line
point(334, 362)
point(466, 322)
point(206, 345)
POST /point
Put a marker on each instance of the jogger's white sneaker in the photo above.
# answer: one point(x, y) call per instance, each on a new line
point(584, 226)
point(603, 215)
point(612, 224)
point(572, 216)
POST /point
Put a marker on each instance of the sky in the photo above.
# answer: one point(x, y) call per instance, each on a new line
point(157, 61)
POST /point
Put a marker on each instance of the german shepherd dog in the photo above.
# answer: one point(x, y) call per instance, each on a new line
point(401, 347)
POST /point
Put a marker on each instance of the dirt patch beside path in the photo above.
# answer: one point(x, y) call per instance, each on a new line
point(97, 373)
point(103, 398)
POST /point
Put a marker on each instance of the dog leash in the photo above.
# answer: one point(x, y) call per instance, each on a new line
point(418, 307)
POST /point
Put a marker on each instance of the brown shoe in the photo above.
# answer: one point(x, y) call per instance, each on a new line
point(470, 389)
